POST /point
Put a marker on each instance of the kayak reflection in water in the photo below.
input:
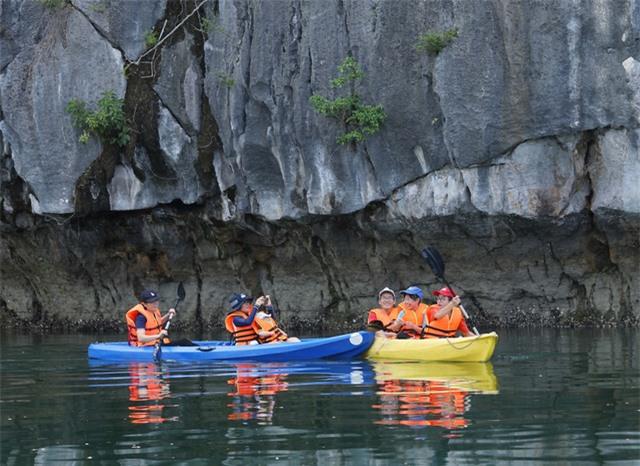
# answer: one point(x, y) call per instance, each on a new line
point(146, 390)
point(433, 394)
point(254, 391)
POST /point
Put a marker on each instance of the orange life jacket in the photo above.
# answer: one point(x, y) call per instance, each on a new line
point(446, 326)
point(379, 314)
point(264, 321)
point(152, 327)
point(241, 335)
point(415, 317)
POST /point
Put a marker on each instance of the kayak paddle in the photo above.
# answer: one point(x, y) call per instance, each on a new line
point(180, 294)
point(434, 259)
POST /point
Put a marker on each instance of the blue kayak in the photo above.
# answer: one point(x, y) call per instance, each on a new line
point(339, 347)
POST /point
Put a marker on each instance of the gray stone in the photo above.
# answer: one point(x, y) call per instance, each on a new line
point(519, 71)
point(71, 61)
point(440, 193)
point(21, 24)
point(124, 23)
point(180, 84)
point(632, 68)
point(538, 179)
point(124, 189)
point(614, 170)
point(475, 101)
point(179, 152)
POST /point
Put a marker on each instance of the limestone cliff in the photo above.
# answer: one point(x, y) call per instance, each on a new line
point(514, 150)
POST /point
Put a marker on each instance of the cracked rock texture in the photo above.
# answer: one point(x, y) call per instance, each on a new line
point(515, 151)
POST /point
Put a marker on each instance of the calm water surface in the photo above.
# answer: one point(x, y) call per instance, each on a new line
point(556, 397)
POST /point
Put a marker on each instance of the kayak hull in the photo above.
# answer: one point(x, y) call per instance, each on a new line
point(463, 349)
point(339, 347)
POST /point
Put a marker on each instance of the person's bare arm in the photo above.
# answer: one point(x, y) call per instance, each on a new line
point(144, 338)
point(440, 313)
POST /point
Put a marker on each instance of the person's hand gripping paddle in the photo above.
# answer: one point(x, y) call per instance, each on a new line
point(180, 294)
point(434, 259)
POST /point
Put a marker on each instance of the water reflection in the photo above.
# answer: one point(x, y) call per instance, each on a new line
point(430, 394)
point(566, 397)
point(148, 387)
point(253, 392)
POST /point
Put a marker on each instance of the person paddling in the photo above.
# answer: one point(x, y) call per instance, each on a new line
point(145, 322)
point(384, 318)
point(445, 319)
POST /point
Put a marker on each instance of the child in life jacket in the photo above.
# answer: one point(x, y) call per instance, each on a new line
point(266, 326)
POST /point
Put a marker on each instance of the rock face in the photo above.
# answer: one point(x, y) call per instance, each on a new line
point(34, 91)
point(515, 150)
point(125, 24)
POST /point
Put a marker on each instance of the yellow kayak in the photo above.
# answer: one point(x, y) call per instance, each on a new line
point(463, 349)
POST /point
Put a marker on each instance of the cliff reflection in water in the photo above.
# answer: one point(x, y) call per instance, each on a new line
point(430, 394)
point(147, 390)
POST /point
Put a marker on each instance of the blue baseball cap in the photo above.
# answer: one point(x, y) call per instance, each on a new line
point(413, 290)
point(238, 299)
point(149, 296)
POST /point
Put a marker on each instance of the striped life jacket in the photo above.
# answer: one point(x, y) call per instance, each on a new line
point(380, 315)
point(446, 326)
point(264, 321)
point(152, 327)
point(415, 317)
point(242, 335)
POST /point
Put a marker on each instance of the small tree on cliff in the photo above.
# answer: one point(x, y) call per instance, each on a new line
point(360, 120)
point(108, 121)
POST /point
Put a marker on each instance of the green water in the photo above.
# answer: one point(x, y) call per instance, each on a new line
point(556, 397)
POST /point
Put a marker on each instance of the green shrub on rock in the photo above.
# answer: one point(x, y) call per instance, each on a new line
point(108, 121)
point(360, 119)
point(434, 42)
point(53, 4)
point(150, 38)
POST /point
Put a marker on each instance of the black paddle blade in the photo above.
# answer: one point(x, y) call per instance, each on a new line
point(434, 259)
point(180, 294)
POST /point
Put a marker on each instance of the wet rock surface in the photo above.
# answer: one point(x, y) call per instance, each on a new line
point(509, 270)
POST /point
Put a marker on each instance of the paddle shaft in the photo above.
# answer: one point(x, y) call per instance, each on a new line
point(158, 347)
point(464, 312)
point(180, 297)
point(435, 261)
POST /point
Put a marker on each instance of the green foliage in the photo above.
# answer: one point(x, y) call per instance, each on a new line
point(107, 122)
point(434, 42)
point(208, 26)
point(361, 120)
point(150, 38)
point(349, 71)
point(225, 79)
point(100, 7)
point(53, 4)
